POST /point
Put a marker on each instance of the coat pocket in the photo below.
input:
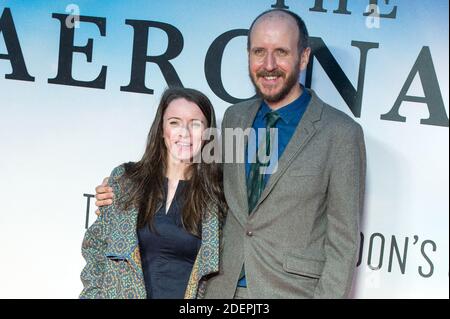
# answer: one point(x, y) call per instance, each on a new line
point(118, 264)
point(121, 279)
point(117, 258)
point(303, 266)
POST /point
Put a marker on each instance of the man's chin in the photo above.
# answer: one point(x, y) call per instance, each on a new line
point(268, 94)
point(272, 97)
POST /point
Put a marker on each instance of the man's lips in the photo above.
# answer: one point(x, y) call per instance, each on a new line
point(270, 80)
point(269, 77)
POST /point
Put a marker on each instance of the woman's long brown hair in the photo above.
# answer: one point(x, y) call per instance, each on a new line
point(145, 179)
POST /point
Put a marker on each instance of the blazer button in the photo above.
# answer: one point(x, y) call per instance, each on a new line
point(249, 233)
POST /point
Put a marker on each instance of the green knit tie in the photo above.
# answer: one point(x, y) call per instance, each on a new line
point(255, 181)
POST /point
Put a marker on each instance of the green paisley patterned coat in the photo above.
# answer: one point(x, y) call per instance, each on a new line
point(113, 265)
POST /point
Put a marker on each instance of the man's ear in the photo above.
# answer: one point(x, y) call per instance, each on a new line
point(304, 58)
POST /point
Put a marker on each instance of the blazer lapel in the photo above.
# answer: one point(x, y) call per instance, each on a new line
point(302, 135)
point(209, 249)
point(207, 261)
point(237, 179)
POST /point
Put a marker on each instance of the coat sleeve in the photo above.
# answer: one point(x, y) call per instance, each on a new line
point(94, 248)
point(345, 205)
point(223, 126)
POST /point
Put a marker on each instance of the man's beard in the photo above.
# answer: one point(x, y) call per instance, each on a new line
point(291, 81)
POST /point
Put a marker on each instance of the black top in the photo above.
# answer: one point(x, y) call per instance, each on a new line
point(169, 253)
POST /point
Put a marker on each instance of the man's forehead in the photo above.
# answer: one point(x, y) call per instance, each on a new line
point(272, 21)
point(276, 16)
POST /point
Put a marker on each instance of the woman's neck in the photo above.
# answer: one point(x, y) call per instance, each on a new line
point(177, 170)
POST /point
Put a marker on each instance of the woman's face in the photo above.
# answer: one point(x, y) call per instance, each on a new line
point(183, 126)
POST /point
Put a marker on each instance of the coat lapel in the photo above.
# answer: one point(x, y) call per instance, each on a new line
point(302, 135)
point(209, 250)
point(207, 260)
point(237, 179)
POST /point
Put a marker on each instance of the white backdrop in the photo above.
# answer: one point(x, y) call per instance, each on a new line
point(58, 141)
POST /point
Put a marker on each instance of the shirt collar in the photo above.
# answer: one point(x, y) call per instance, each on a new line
point(290, 111)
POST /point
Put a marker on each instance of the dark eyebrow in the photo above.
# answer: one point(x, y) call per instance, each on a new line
point(262, 48)
point(177, 118)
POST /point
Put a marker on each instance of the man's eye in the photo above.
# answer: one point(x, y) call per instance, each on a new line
point(281, 52)
point(258, 52)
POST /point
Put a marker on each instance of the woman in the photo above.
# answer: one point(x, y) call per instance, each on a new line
point(160, 236)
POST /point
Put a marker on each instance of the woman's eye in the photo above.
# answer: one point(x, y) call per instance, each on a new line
point(196, 124)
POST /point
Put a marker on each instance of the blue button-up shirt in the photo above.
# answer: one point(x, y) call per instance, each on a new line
point(290, 116)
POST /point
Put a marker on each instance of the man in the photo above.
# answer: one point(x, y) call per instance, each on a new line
point(293, 233)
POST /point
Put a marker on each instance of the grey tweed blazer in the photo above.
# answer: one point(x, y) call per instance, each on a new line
point(301, 240)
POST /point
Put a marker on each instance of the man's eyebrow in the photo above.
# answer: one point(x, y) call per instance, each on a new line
point(263, 48)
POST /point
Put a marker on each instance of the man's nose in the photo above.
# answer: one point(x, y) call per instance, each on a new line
point(270, 62)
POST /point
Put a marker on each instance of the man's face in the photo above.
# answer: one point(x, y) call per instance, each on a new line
point(274, 61)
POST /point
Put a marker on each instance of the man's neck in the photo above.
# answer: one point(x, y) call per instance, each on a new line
point(294, 94)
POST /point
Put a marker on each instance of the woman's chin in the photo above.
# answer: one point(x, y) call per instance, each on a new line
point(184, 156)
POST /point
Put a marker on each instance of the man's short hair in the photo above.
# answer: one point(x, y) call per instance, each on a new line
point(303, 39)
